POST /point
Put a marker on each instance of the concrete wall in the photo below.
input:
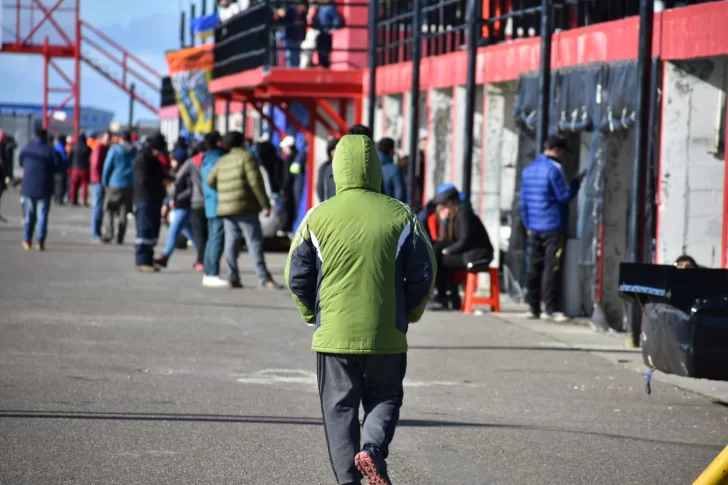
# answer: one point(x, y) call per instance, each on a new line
point(392, 106)
point(692, 173)
point(617, 192)
point(501, 150)
point(439, 145)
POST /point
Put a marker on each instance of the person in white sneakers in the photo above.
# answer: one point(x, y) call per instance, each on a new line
point(215, 231)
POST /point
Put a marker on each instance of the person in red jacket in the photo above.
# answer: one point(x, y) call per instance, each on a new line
point(98, 155)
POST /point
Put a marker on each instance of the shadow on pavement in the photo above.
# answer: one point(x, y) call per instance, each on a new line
point(301, 421)
point(506, 347)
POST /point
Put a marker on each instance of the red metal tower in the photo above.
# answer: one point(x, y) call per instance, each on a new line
point(60, 33)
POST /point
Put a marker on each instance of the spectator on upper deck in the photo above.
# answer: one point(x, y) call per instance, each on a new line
point(227, 9)
point(326, 20)
point(294, 22)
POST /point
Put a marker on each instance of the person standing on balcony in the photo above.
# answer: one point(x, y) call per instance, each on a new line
point(118, 181)
point(98, 157)
point(545, 197)
point(80, 164)
point(326, 20)
point(294, 21)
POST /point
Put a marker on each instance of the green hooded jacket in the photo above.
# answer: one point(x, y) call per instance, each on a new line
point(361, 267)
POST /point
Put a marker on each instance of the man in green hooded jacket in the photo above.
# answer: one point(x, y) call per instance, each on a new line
point(361, 269)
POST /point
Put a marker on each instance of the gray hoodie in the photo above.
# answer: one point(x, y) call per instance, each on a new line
point(190, 168)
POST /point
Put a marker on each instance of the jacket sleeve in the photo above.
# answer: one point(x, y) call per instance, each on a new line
point(255, 180)
point(108, 168)
point(524, 206)
point(420, 270)
point(301, 273)
point(563, 192)
point(182, 183)
point(464, 234)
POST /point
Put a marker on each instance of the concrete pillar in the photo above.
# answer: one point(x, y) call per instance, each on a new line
point(439, 149)
point(691, 170)
point(393, 119)
point(501, 150)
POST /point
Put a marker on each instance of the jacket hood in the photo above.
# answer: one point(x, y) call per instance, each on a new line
point(356, 164)
point(386, 159)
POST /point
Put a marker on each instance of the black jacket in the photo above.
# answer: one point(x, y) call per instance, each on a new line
point(81, 154)
point(471, 238)
point(183, 189)
point(325, 186)
point(148, 178)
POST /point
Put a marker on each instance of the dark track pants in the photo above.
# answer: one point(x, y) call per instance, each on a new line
point(198, 224)
point(345, 382)
point(546, 250)
point(148, 220)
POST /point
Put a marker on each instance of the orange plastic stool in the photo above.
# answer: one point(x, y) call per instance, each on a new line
point(471, 286)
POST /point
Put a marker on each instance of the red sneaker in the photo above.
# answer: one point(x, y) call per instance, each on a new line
point(199, 267)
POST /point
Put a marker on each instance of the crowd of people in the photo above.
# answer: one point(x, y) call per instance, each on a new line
point(302, 30)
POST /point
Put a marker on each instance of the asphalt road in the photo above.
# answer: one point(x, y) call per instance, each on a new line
point(108, 376)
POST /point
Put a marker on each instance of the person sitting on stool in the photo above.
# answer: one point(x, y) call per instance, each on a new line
point(461, 239)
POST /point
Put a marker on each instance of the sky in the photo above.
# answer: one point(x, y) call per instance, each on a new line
point(146, 28)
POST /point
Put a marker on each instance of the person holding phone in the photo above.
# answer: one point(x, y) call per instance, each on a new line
point(545, 197)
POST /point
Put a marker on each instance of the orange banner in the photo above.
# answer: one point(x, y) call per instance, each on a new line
point(191, 59)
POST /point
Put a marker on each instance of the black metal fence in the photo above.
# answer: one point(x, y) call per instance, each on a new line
point(167, 96)
point(444, 22)
point(278, 33)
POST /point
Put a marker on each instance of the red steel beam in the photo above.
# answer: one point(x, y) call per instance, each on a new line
point(37, 49)
point(291, 118)
point(267, 118)
point(47, 15)
point(59, 71)
point(120, 63)
point(343, 125)
point(120, 48)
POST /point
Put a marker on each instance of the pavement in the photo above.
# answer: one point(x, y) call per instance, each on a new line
point(109, 376)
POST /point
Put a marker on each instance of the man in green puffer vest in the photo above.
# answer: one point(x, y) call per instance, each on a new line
point(241, 196)
point(361, 269)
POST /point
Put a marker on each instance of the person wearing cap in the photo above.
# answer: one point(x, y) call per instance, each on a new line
point(545, 197)
point(325, 186)
point(461, 239)
point(149, 193)
point(293, 178)
point(430, 208)
point(361, 270)
point(241, 198)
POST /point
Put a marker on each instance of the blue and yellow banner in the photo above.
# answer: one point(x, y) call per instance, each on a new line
point(204, 27)
point(191, 71)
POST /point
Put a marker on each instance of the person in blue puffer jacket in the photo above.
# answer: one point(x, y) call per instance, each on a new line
point(215, 231)
point(326, 21)
point(545, 197)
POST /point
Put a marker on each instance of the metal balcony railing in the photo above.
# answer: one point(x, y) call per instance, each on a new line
point(278, 33)
point(444, 22)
